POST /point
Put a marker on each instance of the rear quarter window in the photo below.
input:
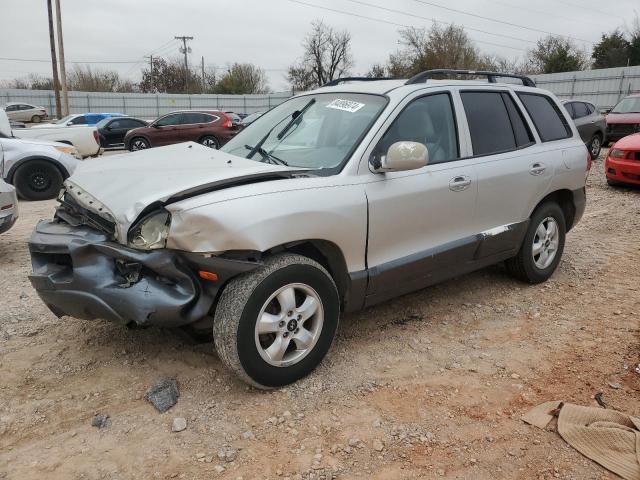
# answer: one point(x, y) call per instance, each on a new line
point(547, 118)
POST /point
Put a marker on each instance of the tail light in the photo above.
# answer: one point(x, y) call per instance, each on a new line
point(228, 123)
point(95, 135)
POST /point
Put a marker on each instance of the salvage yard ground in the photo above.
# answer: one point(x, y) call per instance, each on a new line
point(429, 385)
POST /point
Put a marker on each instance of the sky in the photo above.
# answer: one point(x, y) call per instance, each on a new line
point(118, 34)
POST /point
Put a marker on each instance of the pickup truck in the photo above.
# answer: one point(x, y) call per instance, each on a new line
point(84, 138)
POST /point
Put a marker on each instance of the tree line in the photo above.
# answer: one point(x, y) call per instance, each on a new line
point(327, 54)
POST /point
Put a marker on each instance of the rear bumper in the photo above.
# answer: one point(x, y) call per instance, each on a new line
point(78, 272)
point(623, 171)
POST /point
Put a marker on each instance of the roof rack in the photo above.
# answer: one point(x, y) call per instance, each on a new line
point(491, 76)
point(338, 81)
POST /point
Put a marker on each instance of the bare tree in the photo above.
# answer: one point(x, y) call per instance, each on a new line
point(168, 76)
point(437, 47)
point(327, 56)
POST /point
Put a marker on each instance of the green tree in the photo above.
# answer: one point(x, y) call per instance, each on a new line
point(612, 50)
point(242, 78)
point(556, 54)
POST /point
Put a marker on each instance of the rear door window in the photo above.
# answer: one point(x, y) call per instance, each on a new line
point(570, 109)
point(521, 130)
point(547, 118)
point(580, 109)
point(489, 122)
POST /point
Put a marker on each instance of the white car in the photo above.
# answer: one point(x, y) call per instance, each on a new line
point(84, 138)
point(8, 206)
point(25, 112)
point(37, 168)
point(391, 186)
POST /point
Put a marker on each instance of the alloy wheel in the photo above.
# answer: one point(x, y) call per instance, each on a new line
point(289, 325)
point(545, 243)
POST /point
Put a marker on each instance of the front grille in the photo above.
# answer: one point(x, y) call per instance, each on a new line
point(72, 213)
point(622, 128)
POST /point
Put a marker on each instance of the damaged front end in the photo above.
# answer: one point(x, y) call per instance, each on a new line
point(80, 271)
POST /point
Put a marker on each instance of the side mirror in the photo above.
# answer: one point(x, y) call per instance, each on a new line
point(403, 156)
point(107, 127)
point(154, 125)
point(605, 111)
point(69, 124)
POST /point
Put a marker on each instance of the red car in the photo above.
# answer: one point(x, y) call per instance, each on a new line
point(624, 118)
point(622, 165)
point(211, 128)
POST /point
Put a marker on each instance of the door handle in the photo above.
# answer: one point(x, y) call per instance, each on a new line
point(537, 169)
point(459, 183)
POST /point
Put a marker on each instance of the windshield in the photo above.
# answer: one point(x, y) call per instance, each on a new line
point(627, 105)
point(64, 119)
point(320, 138)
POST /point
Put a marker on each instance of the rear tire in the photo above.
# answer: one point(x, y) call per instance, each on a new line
point(138, 143)
point(595, 146)
point(542, 246)
point(274, 325)
point(210, 141)
point(38, 180)
point(36, 119)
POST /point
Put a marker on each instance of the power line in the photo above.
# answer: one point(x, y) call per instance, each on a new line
point(439, 21)
point(391, 23)
point(68, 61)
point(582, 7)
point(546, 14)
point(503, 22)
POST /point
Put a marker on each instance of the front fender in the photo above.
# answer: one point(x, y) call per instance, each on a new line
point(337, 214)
point(12, 170)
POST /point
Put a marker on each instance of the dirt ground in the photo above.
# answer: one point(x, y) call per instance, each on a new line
point(429, 385)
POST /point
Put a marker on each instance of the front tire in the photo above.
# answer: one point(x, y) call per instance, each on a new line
point(542, 247)
point(210, 141)
point(138, 143)
point(38, 180)
point(274, 325)
point(595, 146)
point(36, 119)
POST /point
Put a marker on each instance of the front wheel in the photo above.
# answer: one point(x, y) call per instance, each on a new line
point(274, 325)
point(36, 119)
point(138, 143)
point(38, 180)
point(595, 145)
point(210, 141)
point(542, 247)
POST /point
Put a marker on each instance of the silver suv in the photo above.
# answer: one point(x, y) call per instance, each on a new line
point(336, 200)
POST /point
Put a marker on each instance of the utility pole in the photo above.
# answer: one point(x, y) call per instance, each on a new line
point(185, 50)
point(54, 61)
point(63, 73)
point(202, 65)
point(150, 57)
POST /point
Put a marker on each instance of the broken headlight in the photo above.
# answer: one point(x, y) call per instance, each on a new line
point(150, 232)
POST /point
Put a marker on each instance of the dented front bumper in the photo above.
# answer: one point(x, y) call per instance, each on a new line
point(78, 271)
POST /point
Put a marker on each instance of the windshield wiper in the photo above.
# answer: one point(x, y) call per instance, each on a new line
point(266, 155)
point(295, 117)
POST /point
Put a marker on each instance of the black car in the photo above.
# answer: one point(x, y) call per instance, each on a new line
point(111, 131)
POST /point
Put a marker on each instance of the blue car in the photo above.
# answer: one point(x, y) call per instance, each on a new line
point(90, 119)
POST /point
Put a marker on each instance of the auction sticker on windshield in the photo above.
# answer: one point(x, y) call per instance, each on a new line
point(346, 105)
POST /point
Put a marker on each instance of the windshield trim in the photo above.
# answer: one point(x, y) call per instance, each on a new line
point(330, 171)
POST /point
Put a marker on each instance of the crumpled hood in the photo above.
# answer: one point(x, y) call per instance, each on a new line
point(122, 186)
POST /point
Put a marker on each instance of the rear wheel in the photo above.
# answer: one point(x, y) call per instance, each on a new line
point(38, 180)
point(595, 145)
point(210, 141)
point(542, 247)
point(274, 325)
point(36, 119)
point(138, 143)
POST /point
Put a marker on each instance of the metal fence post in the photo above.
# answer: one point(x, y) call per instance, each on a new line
point(621, 91)
point(244, 98)
point(269, 100)
point(88, 103)
point(124, 105)
point(157, 105)
point(189, 102)
point(49, 95)
point(573, 86)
